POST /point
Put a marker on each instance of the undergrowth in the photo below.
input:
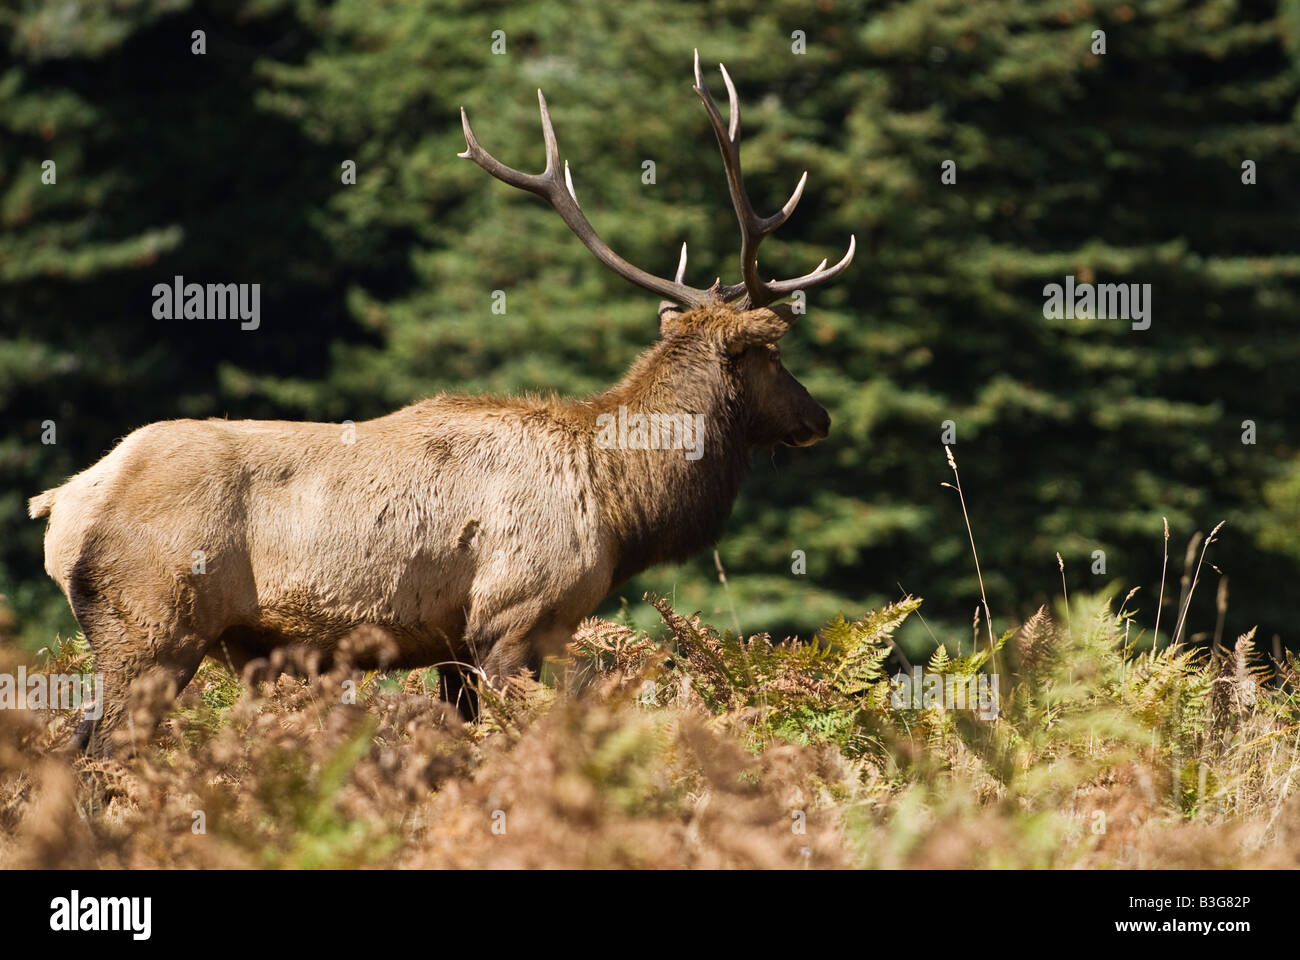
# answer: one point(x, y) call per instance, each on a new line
point(702, 749)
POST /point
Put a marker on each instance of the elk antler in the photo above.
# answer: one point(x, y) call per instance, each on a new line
point(559, 194)
point(754, 228)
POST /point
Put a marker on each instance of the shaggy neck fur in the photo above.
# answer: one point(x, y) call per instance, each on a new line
point(662, 506)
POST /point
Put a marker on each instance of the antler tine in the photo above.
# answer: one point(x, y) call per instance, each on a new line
point(681, 273)
point(781, 288)
point(753, 228)
point(548, 137)
point(568, 182)
point(764, 225)
point(555, 185)
point(473, 151)
point(733, 101)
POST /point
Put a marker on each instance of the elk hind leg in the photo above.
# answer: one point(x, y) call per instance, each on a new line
point(140, 665)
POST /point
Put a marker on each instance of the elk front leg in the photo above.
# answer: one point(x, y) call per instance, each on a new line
point(497, 658)
point(531, 622)
point(453, 688)
point(510, 656)
point(525, 652)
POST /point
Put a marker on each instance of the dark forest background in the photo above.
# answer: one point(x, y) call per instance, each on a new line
point(1071, 435)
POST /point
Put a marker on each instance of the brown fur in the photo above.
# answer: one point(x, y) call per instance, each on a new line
point(466, 530)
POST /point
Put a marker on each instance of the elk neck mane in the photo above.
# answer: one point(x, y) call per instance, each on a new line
point(662, 506)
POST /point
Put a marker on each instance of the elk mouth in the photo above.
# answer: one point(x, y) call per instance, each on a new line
point(804, 437)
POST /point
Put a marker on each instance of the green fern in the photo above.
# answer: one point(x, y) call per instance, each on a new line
point(815, 691)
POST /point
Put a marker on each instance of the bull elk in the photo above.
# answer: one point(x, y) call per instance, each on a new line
point(468, 531)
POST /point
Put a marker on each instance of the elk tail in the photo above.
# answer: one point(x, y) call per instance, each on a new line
point(39, 505)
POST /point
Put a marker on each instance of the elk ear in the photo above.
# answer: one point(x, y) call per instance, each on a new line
point(762, 325)
point(669, 315)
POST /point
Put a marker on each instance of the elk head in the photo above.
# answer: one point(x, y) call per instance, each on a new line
point(733, 327)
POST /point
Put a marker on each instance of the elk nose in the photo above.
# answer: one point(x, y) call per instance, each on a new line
point(812, 428)
point(820, 423)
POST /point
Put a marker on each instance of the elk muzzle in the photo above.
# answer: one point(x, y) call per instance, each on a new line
point(814, 425)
